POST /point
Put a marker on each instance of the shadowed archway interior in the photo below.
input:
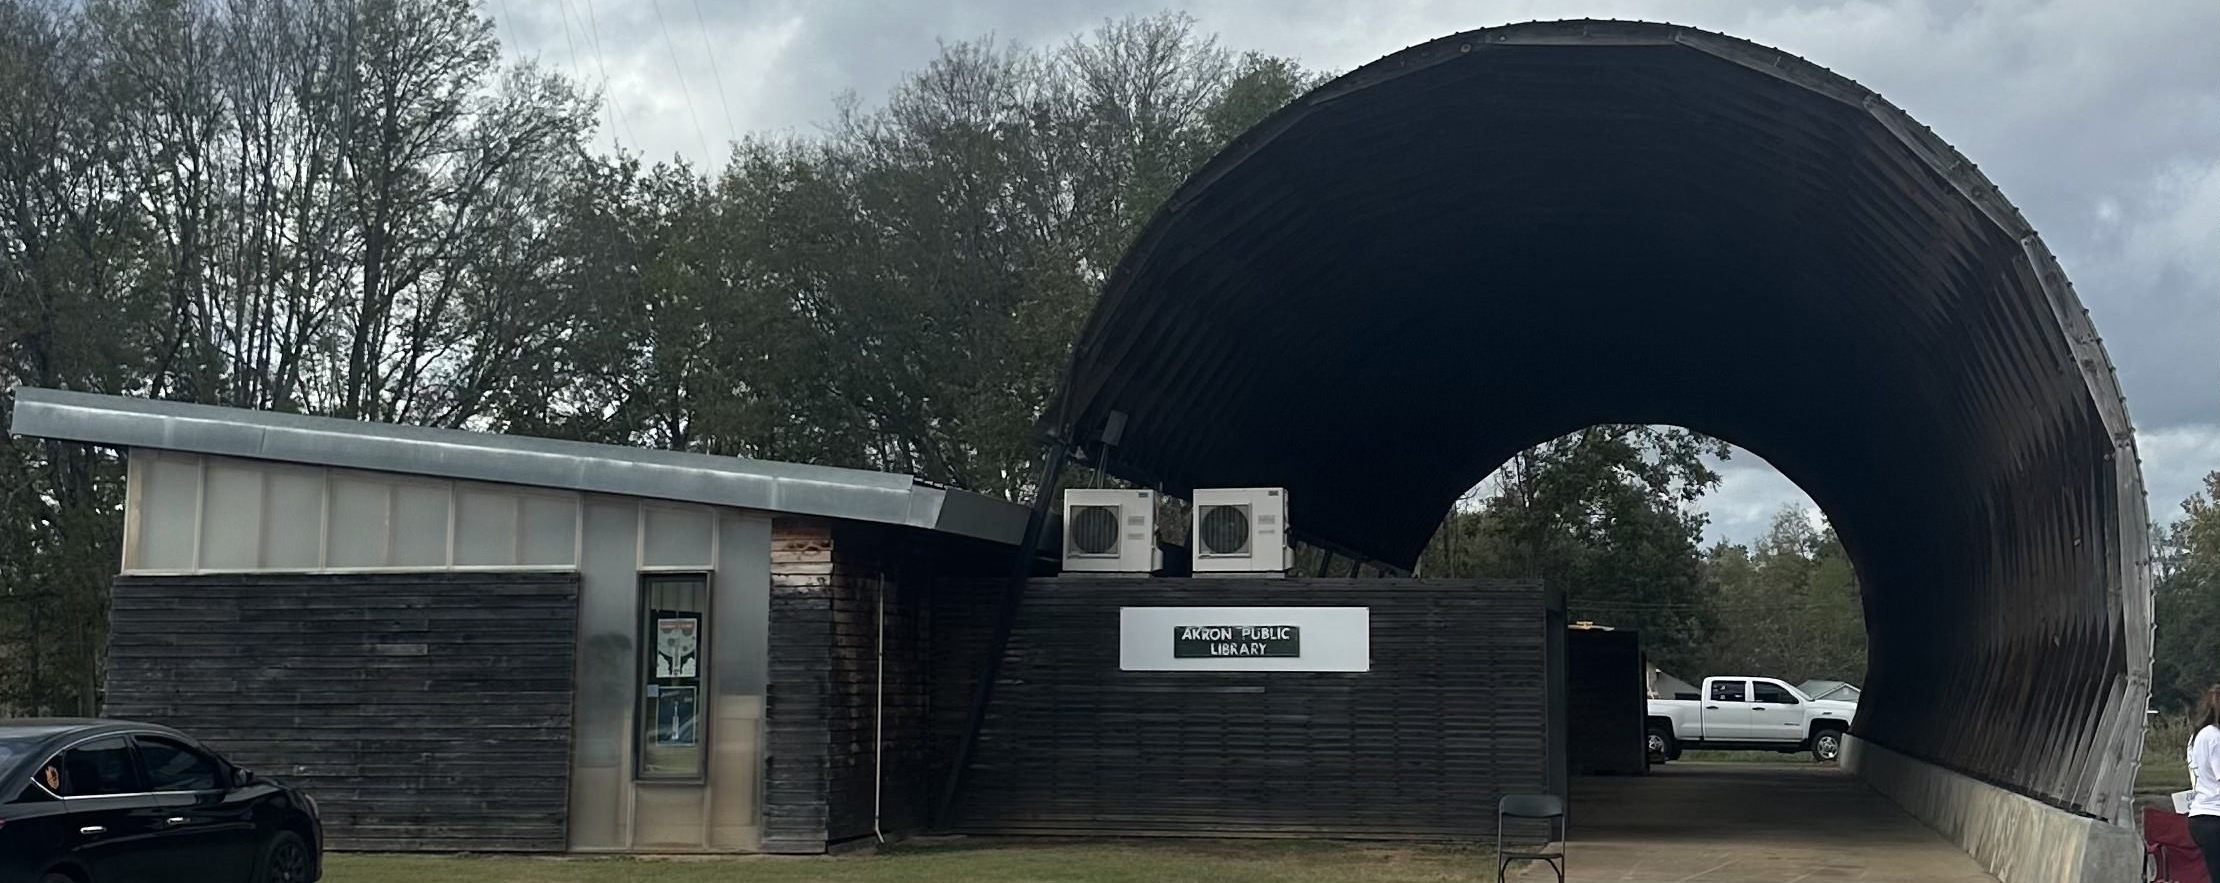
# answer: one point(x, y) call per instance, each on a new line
point(1382, 292)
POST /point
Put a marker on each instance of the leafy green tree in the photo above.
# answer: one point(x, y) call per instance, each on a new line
point(2186, 602)
point(355, 208)
point(1789, 606)
point(1603, 515)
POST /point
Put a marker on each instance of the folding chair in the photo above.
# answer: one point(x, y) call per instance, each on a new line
point(2169, 855)
point(1546, 807)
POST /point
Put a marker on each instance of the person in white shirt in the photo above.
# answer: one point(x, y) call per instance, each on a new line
point(2204, 778)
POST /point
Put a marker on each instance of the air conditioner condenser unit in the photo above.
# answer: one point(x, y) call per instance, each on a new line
point(1241, 530)
point(1110, 531)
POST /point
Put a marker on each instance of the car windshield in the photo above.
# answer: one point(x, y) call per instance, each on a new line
point(11, 752)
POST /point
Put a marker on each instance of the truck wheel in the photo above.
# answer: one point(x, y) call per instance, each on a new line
point(1826, 745)
point(1662, 745)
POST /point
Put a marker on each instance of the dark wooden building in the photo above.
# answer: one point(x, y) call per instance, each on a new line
point(464, 641)
point(1453, 710)
point(1606, 692)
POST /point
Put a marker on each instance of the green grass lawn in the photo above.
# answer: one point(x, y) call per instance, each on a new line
point(966, 859)
point(2165, 769)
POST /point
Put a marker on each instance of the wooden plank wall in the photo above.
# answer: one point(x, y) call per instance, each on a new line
point(424, 711)
point(795, 739)
point(1603, 674)
point(867, 700)
point(1453, 715)
point(828, 695)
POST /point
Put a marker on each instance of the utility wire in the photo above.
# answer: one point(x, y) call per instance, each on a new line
point(731, 130)
point(680, 71)
point(568, 40)
point(593, 33)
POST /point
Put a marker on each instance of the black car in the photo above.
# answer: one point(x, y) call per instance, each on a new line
point(101, 801)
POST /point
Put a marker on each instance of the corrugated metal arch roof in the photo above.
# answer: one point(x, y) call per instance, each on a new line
point(1388, 288)
point(765, 485)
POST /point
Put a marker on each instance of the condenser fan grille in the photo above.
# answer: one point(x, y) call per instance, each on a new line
point(1094, 530)
point(1225, 530)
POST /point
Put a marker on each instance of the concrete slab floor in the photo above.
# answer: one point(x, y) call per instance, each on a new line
point(1693, 822)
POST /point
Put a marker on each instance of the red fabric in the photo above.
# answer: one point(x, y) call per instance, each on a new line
point(2174, 857)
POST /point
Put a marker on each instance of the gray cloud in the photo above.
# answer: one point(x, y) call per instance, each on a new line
point(2102, 124)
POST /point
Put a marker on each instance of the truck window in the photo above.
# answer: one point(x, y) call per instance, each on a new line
point(1775, 694)
point(1726, 691)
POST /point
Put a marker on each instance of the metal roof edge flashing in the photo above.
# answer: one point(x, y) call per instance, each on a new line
point(738, 482)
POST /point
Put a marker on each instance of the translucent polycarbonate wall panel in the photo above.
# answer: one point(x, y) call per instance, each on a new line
point(675, 537)
point(667, 817)
point(230, 516)
point(743, 586)
point(739, 669)
point(601, 747)
point(166, 517)
point(211, 513)
point(549, 528)
point(188, 512)
point(292, 518)
point(485, 526)
point(420, 524)
point(630, 546)
point(361, 512)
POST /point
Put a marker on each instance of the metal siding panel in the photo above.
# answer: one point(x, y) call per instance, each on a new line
point(741, 619)
point(608, 662)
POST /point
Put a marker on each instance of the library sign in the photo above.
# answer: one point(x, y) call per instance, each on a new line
point(1245, 638)
point(1237, 641)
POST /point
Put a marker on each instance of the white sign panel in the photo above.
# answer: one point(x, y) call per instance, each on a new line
point(1245, 638)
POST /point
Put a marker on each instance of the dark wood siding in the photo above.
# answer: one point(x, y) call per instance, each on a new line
point(828, 693)
point(1455, 713)
point(424, 711)
point(1603, 673)
point(891, 702)
point(794, 734)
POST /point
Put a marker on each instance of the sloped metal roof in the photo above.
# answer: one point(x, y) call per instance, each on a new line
point(1385, 290)
point(765, 485)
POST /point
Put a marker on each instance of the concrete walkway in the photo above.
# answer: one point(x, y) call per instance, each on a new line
point(1692, 822)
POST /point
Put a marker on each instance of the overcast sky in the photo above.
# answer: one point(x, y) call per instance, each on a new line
point(2100, 119)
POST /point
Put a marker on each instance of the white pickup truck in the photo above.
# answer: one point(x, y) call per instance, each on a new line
point(1746, 713)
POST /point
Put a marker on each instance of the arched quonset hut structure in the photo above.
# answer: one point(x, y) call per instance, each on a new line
point(1382, 292)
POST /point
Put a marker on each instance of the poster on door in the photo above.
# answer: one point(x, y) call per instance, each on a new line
point(677, 646)
point(676, 716)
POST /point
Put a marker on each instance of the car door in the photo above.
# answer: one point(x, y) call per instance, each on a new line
point(1775, 714)
point(107, 830)
point(1727, 710)
point(201, 826)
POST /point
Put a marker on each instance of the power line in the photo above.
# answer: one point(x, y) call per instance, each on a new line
point(732, 131)
point(568, 40)
point(593, 35)
point(680, 71)
point(510, 18)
